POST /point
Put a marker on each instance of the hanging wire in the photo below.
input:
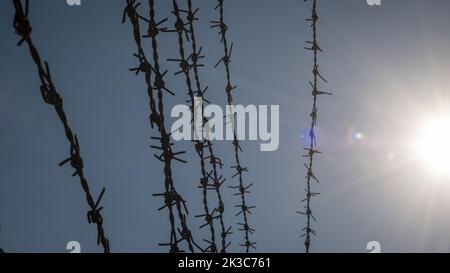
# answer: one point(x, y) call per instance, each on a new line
point(23, 28)
point(185, 66)
point(173, 201)
point(311, 150)
point(245, 210)
point(210, 180)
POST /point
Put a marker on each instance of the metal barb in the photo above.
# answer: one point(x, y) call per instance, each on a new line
point(50, 95)
point(226, 60)
point(311, 151)
point(210, 180)
point(173, 201)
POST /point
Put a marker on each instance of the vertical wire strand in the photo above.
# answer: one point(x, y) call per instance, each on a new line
point(217, 180)
point(173, 201)
point(245, 210)
point(311, 150)
point(208, 216)
point(210, 179)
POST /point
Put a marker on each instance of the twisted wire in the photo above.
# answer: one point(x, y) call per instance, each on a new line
point(50, 95)
point(185, 66)
point(217, 180)
point(173, 201)
point(210, 180)
point(245, 210)
point(311, 150)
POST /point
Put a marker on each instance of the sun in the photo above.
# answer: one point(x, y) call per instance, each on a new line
point(433, 143)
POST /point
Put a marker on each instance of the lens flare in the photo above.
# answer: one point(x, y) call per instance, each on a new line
point(358, 136)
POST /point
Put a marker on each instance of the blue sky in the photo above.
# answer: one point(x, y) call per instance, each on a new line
point(387, 66)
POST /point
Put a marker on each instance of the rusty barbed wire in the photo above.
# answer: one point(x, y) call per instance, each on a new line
point(173, 201)
point(209, 180)
point(215, 162)
point(49, 94)
point(185, 66)
point(311, 151)
point(245, 210)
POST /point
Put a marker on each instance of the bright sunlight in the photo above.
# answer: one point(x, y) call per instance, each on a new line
point(433, 144)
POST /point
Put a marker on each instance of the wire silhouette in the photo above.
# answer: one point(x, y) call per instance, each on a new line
point(210, 180)
point(215, 162)
point(311, 150)
point(49, 94)
point(243, 189)
point(173, 201)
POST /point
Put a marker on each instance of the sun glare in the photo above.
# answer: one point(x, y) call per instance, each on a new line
point(434, 145)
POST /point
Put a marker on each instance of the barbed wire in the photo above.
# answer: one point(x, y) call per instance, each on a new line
point(185, 66)
point(216, 180)
point(245, 210)
point(173, 201)
point(49, 94)
point(311, 150)
point(210, 180)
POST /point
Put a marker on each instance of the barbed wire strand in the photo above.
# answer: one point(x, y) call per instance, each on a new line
point(49, 94)
point(311, 150)
point(215, 162)
point(245, 210)
point(173, 201)
point(187, 64)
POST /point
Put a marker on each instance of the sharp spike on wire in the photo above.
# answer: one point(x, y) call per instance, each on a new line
point(49, 94)
point(173, 201)
point(185, 66)
point(225, 60)
point(311, 150)
point(189, 63)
